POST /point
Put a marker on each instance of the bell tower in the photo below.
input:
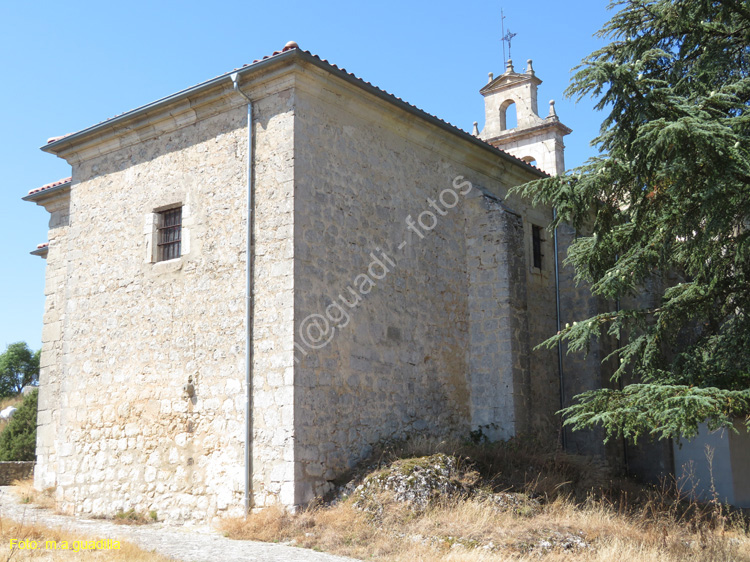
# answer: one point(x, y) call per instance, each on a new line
point(536, 140)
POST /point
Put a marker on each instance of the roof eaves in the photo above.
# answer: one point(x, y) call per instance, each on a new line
point(257, 65)
point(46, 189)
point(531, 131)
point(349, 77)
point(41, 250)
point(57, 142)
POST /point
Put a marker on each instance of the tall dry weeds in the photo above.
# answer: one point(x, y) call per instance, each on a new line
point(27, 493)
point(587, 514)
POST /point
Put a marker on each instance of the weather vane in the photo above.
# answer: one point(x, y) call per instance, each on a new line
point(506, 36)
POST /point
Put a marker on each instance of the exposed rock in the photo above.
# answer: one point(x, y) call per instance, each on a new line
point(520, 504)
point(418, 482)
point(546, 540)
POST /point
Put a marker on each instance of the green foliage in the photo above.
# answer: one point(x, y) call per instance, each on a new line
point(666, 209)
point(133, 517)
point(478, 436)
point(19, 366)
point(18, 439)
point(656, 409)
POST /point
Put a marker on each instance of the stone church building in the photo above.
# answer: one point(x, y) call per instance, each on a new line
point(253, 281)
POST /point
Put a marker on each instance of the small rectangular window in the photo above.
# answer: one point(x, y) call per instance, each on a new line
point(536, 245)
point(169, 234)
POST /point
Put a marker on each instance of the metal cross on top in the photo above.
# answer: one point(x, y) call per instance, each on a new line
point(507, 37)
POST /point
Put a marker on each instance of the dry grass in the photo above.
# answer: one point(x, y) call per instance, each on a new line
point(474, 531)
point(14, 530)
point(25, 490)
point(580, 521)
point(133, 517)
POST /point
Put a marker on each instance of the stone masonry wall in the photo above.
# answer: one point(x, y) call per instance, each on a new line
point(51, 371)
point(395, 362)
point(371, 319)
point(124, 334)
point(498, 327)
point(273, 301)
point(512, 308)
point(390, 359)
point(543, 421)
point(124, 434)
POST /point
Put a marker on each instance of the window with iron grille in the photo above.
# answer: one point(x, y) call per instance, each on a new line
point(536, 245)
point(169, 234)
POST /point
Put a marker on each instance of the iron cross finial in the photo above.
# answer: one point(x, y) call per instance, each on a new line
point(507, 37)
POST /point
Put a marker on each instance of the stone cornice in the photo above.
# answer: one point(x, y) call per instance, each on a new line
point(148, 125)
point(52, 199)
point(38, 194)
point(546, 124)
point(508, 80)
point(168, 114)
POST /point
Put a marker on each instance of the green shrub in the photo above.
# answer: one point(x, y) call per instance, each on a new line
point(18, 439)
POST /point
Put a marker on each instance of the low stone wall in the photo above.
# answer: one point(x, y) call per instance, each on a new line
point(15, 470)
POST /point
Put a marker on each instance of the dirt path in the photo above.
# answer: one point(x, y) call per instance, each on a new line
point(184, 543)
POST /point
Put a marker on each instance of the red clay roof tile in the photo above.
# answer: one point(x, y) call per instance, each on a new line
point(51, 185)
point(55, 139)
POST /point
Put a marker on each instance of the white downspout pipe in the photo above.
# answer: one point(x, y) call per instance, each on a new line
point(248, 300)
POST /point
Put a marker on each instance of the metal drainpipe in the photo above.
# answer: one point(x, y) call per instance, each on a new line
point(248, 299)
point(559, 344)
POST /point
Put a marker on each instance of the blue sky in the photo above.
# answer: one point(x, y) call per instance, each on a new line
point(68, 65)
